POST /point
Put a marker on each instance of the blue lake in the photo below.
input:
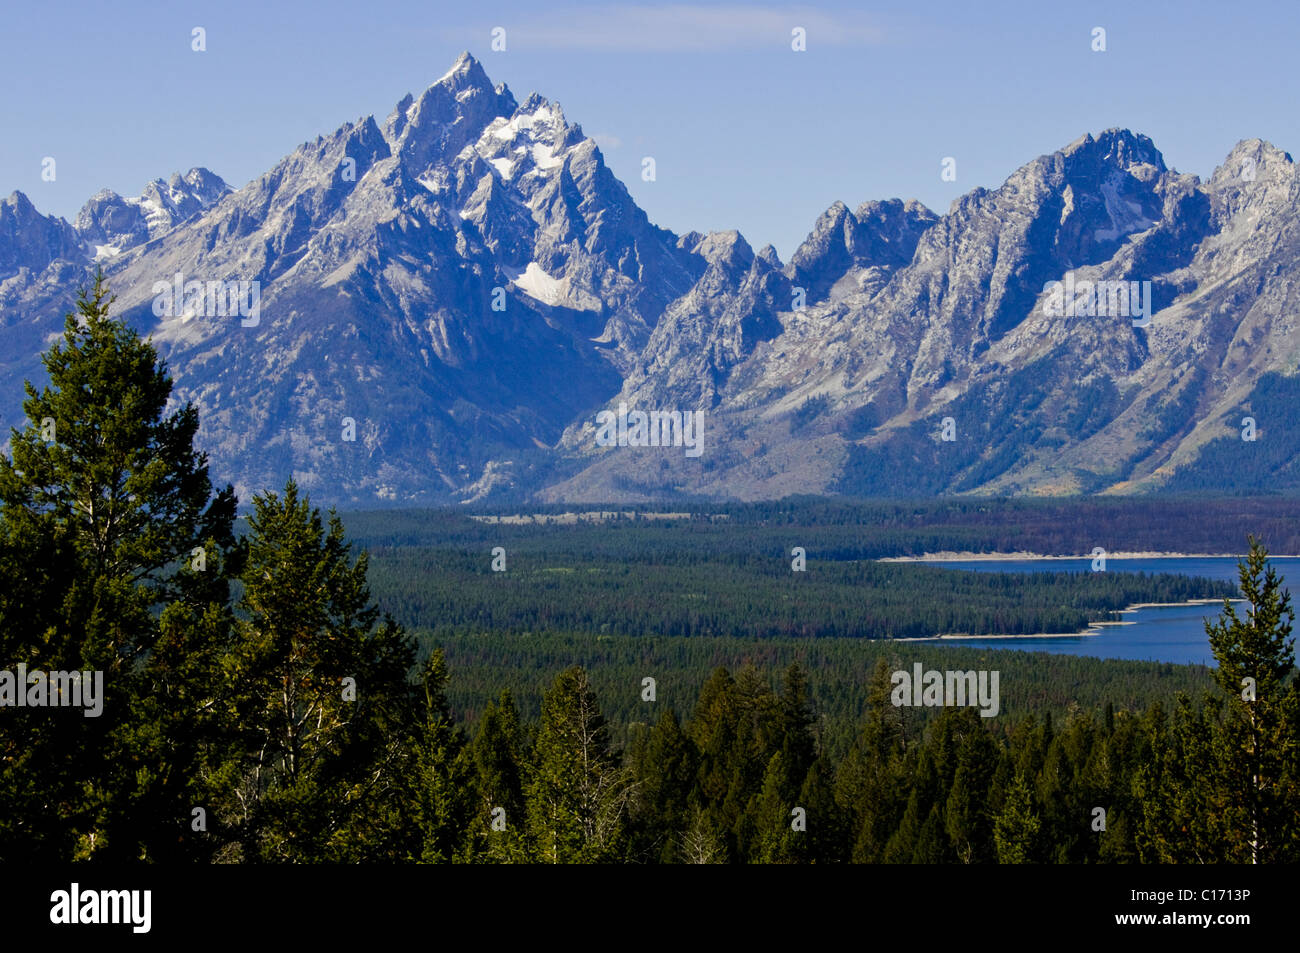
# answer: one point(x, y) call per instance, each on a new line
point(1160, 633)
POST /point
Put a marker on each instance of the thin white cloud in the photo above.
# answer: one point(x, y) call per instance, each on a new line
point(682, 28)
point(606, 140)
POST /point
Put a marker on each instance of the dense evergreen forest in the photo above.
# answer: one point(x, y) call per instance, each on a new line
point(639, 692)
point(1032, 683)
point(711, 577)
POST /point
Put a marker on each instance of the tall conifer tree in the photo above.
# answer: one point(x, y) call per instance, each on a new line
point(1255, 749)
point(578, 791)
point(115, 552)
point(319, 690)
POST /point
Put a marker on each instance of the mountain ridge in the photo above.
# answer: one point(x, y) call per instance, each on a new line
point(469, 284)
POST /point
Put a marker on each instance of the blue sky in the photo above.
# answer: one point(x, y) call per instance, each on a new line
point(746, 133)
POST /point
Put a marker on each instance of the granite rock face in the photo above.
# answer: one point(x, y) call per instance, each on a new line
point(445, 300)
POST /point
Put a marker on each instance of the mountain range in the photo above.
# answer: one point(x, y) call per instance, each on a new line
point(450, 297)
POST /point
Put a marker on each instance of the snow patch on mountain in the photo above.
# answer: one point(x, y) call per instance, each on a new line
point(556, 292)
point(1126, 215)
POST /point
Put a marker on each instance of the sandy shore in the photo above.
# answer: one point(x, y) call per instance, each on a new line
point(1157, 605)
point(1007, 557)
point(1036, 635)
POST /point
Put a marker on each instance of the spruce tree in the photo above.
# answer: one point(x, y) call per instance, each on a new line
point(498, 821)
point(318, 686)
point(116, 553)
point(664, 766)
point(1016, 828)
point(1258, 792)
point(774, 841)
point(577, 791)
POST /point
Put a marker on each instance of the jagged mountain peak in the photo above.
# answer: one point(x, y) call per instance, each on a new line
point(19, 202)
point(1069, 208)
point(477, 265)
point(1249, 161)
point(535, 101)
point(883, 208)
point(200, 178)
point(862, 246)
point(183, 195)
point(448, 115)
point(1121, 148)
point(1254, 197)
point(466, 69)
point(534, 138)
point(110, 223)
point(725, 248)
point(31, 240)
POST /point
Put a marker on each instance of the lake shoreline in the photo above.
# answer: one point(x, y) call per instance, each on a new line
point(969, 557)
point(1170, 632)
point(1089, 631)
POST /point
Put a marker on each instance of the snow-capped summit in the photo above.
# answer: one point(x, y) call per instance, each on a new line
point(110, 223)
point(469, 283)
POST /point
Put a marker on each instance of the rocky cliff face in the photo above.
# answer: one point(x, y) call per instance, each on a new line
point(446, 300)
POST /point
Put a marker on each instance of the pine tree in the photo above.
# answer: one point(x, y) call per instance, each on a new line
point(1258, 794)
point(577, 793)
point(319, 689)
point(664, 766)
point(799, 744)
point(775, 842)
point(116, 553)
point(717, 729)
point(1016, 828)
point(932, 843)
point(497, 757)
point(827, 838)
point(1115, 844)
point(901, 845)
point(966, 817)
point(870, 783)
point(1154, 831)
point(439, 776)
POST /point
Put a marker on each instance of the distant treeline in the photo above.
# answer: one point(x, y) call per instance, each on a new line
point(711, 577)
point(839, 529)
